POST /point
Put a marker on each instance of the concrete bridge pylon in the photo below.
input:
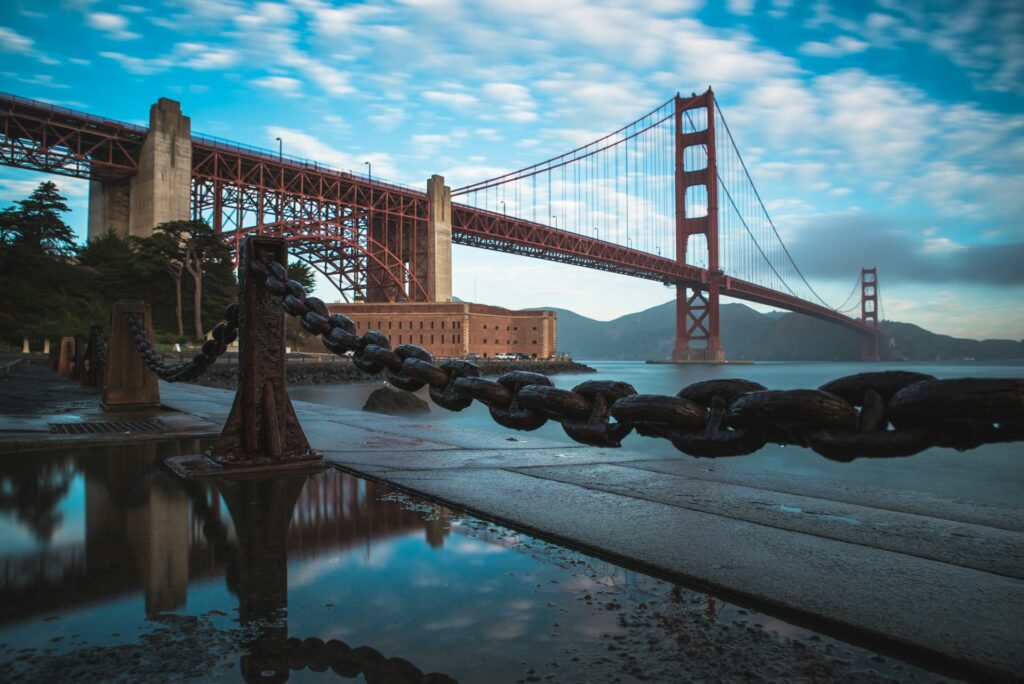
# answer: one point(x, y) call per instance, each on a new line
point(161, 189)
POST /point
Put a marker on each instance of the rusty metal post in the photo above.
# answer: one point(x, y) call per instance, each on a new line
point(128, 383)
point(262, 428)
point(262, 431)
point(78, 360)
point(65, 355)
point(95, 358)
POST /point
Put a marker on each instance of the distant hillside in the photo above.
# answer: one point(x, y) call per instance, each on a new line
point(773, 336)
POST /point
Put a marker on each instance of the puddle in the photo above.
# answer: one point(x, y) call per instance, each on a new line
point(849, 519)
point(113, 570)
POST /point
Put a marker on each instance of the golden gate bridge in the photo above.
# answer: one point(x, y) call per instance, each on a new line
point(668, 197)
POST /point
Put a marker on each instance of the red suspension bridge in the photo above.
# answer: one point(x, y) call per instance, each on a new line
point(666, 198)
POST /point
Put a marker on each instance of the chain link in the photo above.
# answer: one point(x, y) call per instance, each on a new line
point(223, 334)
point(901, 413)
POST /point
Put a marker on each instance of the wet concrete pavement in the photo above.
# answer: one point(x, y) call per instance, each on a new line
point(929, 579)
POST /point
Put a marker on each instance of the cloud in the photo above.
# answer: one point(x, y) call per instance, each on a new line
point(330, 80)
point(743, 7)
point(301, 144)
point(454, 100)
point(981, 38)
point(282, 85)
point(188, 55)
point(114, 26)
point(12, 41)
point(514, 101)
point(840, 46)
point(832, 246)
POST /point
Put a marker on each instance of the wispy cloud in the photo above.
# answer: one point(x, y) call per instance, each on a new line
point(114, 26)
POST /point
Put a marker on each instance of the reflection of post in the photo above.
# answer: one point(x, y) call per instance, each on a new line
point(158, 533)
point(436, 531)
point(136, 531)
point(261, 509)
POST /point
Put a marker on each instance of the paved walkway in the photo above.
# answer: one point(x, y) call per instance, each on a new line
point(921, 577)
point(936, 580)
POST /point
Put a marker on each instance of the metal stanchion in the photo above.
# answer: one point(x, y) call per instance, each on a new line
point(262, 432)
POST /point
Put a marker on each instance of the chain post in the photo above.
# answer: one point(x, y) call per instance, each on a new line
point(78, 362)
point(65, 355)
point(127, 382)
point(262, 431)
point(96, 358)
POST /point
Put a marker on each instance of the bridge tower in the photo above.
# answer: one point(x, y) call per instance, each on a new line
point(869, 313)
point(159, 191)
point(697, 321)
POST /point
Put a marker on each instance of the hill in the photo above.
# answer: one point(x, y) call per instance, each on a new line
point(773, 336)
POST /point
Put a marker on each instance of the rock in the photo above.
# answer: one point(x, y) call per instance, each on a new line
point(390, 400)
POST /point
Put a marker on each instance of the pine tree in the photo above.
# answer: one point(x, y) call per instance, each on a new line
point(35, 227)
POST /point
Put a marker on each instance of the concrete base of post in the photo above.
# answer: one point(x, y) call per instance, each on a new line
point(128, 382)
point(24, 346)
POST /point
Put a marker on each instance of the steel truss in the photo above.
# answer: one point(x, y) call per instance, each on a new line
point(38, 136)
point(367, 238)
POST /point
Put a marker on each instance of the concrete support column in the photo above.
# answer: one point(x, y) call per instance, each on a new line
point(24, 346)
point(439, 240)
point(108, 207)
point(161, 189)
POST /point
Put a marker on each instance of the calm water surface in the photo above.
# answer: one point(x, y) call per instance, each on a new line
point(114, 570)
point(992, 473)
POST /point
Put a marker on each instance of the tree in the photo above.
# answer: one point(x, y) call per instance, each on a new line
point(45, 292)
point(35, 227)
point(166, 245)
point(301, 273)
point(193, 247)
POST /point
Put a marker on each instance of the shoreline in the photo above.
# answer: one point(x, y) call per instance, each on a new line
point(225, 376)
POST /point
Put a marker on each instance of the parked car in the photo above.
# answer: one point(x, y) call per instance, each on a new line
point(522, 356)
point(471, 357)
point(506, 356)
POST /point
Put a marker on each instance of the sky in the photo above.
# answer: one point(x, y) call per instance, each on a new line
point(879, 133)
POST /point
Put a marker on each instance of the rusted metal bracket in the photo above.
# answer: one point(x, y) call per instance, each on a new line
point(262, 431)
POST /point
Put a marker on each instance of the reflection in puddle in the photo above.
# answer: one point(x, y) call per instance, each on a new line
point(114, 570)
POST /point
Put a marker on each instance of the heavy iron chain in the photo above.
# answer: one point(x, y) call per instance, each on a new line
point(101, 346)
point(318, 655)
point(901, 413)
point(223, 334)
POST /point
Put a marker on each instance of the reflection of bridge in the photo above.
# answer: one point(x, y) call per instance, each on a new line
point(143, 535)
point(665, 198)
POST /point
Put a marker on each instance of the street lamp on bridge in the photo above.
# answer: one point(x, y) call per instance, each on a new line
point(555, 220)
point(280, 148)
point(369, 170)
